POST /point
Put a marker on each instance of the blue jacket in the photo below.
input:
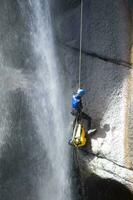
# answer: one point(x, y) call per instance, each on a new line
point(75, 101)
point(76, 98)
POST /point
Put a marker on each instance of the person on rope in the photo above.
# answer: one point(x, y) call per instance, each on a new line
point(82, 122)
point(80, 116)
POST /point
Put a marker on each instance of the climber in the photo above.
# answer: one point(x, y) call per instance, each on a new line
point(82, 122)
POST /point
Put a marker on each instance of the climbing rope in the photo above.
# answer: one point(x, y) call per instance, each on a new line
point(80, 52)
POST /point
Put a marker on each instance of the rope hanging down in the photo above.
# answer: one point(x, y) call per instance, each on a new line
point(80, 52)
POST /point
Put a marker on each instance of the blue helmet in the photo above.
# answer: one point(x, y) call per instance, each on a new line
point(81, 92)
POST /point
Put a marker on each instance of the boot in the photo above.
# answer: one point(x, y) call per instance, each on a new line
point(91, 131)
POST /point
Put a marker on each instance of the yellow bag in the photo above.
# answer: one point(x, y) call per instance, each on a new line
point(79, 136)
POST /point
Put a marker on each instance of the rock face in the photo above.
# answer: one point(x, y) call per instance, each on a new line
point(107, 75)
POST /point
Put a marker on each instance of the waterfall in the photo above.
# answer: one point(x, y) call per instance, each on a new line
point(48, 108)
point(34, 151)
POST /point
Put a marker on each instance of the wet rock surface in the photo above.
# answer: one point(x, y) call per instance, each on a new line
point(22, 156)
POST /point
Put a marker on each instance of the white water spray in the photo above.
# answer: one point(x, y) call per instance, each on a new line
point(48, 106)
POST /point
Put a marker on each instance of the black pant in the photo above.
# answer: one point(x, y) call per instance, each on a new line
point(83, 118)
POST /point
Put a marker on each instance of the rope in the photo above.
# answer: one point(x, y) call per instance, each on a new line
point(81, 31)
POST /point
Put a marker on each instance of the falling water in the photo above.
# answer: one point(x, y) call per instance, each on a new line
point(34, 154)
point(48, 105)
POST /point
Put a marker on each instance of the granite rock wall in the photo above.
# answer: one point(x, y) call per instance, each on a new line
point(107, 75)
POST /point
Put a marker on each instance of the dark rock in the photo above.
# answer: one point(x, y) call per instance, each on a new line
point(97, 188)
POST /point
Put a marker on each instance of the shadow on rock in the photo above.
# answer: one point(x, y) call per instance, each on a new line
point(96, 188)
point(101, 132)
